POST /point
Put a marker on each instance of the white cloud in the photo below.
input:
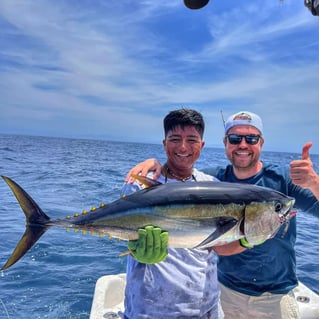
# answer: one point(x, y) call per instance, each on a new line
point(105, 68)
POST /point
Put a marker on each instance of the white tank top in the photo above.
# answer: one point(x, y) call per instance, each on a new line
point(183, 286)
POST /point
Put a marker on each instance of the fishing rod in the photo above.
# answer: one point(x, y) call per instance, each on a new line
point(223, 119)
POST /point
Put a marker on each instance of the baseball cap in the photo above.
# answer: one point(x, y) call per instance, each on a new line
point(244, 118)
point(195, 4)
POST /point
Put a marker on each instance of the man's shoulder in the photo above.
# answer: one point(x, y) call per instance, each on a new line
point(269, 170)
point(201, 176)
point(129, 188)
point(275, 168)
point(218, 171)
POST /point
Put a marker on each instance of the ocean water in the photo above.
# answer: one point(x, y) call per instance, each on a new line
point(56, 278)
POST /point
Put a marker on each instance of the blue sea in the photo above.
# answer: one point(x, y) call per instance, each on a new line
point(56, 278)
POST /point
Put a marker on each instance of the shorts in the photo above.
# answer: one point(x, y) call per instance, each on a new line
point(266, 306)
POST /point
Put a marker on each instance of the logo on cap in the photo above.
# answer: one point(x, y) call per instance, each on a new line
point(242, 116)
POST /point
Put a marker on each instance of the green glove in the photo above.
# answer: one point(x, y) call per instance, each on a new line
point(244, 243)
point(151, 245)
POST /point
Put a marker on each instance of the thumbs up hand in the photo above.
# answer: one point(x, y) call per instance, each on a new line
point(302, 172)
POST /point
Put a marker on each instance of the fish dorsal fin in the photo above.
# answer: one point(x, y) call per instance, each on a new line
point(146, 181)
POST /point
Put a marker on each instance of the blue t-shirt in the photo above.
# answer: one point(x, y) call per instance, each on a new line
point(183, 286)
point(270, 267)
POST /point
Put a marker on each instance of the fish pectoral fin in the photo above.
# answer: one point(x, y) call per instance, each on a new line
point(146, 181)
point(223, 225)
point(30, 236)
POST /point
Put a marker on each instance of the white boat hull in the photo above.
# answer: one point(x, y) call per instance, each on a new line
point(109, 296)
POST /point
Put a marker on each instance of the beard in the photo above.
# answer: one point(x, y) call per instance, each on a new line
point(243, 163)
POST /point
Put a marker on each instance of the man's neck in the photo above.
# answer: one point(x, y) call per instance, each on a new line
point(181, 175)
point(247, 172)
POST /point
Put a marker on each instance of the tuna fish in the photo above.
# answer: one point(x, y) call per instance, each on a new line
point(195, 214)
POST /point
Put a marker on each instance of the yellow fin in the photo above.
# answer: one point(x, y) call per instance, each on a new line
point(146, 181)
point(125, 253)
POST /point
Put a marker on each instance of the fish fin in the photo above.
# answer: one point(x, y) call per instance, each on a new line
point(146, 181)
point(32, 211)
point(30, 236)
point(224, 224)
point(37, 222)
point(125, 253)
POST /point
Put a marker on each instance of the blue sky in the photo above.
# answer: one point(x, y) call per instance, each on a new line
point(112, 69)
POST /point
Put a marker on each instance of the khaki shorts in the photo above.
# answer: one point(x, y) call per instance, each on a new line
point(267, 306)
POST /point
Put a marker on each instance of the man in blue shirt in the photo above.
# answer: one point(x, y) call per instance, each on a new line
point(258, 281)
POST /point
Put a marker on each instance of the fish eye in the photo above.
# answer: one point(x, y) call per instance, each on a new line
point(278, 207)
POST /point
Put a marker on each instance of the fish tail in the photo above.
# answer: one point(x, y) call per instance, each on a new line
point(37, 222)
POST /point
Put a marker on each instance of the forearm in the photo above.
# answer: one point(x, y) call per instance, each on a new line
point(229, 249)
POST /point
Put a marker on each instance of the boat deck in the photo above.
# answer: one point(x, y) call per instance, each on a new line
point(109, 296)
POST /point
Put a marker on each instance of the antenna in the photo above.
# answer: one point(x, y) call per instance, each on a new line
point(221, 113)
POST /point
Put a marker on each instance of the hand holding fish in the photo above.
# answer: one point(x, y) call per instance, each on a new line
point(302, 172)
point(151, 245)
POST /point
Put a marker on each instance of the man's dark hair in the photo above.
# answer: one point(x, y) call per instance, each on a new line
point(184, 117)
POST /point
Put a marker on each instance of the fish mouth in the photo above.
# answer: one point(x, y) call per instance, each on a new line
point(288, 211)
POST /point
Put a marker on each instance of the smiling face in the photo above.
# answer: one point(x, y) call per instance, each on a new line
point(243, 156)
point(183, 147)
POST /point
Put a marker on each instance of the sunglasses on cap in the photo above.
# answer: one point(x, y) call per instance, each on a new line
point(236, 139)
